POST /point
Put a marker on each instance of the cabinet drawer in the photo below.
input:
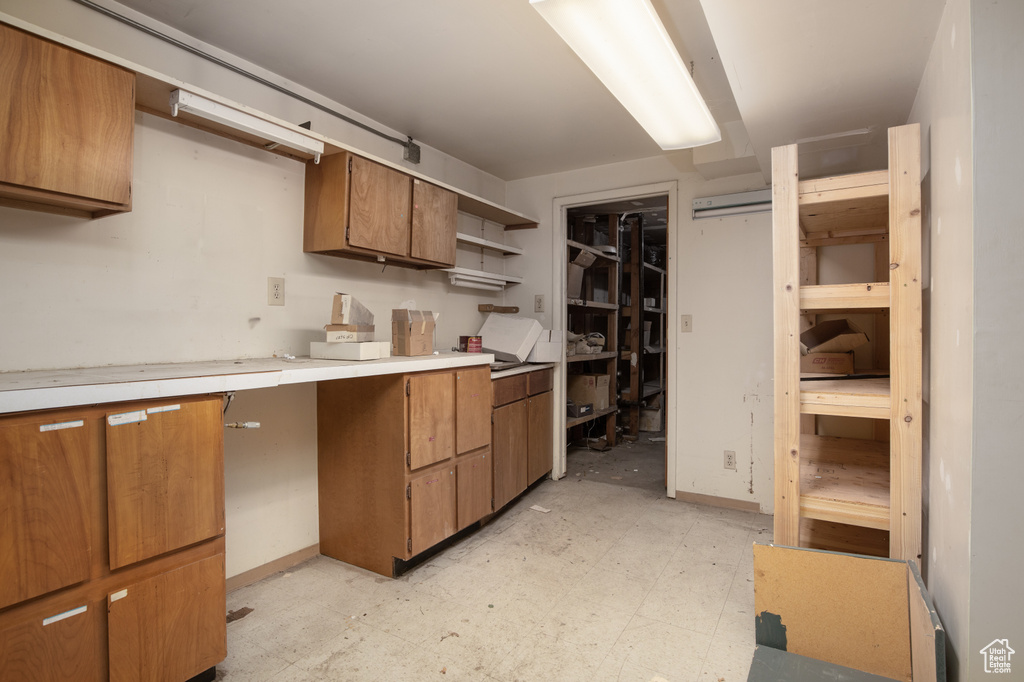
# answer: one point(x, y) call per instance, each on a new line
point(540, 381)
point(165, 478)
point(509, 389)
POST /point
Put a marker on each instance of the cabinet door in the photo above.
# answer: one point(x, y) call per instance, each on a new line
point(64, 644)
point(170, 627)
point(48, 470)
point(541, 420)
point(509, 446)
point(68, 118)
point(434, 218)
point(165, 478)
point(431, 418)
point(472, 409)
point(431, 509)
point(473, 481)
point(379, 205)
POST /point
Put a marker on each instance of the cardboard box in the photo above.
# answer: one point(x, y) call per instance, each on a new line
point(348, 333)
point(367, 350)
point(823, 615)
point(832, 336)
point(412, 332)
point(572, 410)
point(650, 419)
point(574, 275)
point(509, 337)
point(588, 388)
point(347, 310)
point(548, 347)
point(827, 363)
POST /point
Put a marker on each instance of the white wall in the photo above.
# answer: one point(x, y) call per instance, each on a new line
point(722, 383)
point(183, 277)
point(943, 108)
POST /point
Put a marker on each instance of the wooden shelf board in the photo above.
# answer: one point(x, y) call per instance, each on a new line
point(592, 249)
point(844, 202)
point(583, 357)
point(660, 311)
point(497, 277)
point(570, 422)
point(580, 303)
point(828, 297)
point(653, 350)
point(652, 389)
point(845, 480)
point(868, 398)
point(504, 249)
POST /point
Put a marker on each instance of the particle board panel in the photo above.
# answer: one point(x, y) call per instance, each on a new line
point(905, 340)
point(786, 284)
point(842, 609)
point(841, 297)
point(165, 477)
point(845, 480)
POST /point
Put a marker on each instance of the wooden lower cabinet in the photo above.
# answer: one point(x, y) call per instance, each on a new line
point(394, 479)
point(521, 432)
point(71, 482)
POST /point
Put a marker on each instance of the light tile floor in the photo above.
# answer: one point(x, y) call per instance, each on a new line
point(617, 582)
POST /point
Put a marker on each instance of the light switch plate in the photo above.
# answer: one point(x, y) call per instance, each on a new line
point(685, 323)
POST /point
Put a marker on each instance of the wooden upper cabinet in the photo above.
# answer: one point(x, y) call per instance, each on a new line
point(356, 208)
point(68, 122)
point(472, 409)
point(380, 208)
point(434, 219)
point(165, 478)
point(431, 422)
point(48, 467)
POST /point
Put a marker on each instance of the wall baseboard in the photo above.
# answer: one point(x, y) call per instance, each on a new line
point(715, 501)
point(277, 565)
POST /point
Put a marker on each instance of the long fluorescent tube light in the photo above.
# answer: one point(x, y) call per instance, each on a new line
point(627, 47)
point(182, 100)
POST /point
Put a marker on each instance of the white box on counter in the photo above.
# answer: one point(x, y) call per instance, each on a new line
point(367, 350)
point(509, 337)
point(548, 348)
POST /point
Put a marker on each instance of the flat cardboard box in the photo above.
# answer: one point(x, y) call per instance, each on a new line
point(588, 388)
point(348, 333)
point(548, 348)
point(832, 336)
point(836, 616)
point(368, 350)
point(347, 310)
point(574, 275)
point(509, 337)
point(412, 332)
point(827, 363)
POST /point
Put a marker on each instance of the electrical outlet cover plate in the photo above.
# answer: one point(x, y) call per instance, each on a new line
point(730, 460)
point(275, 290)
point(538, 303)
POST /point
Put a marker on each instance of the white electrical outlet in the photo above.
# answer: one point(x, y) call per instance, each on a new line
point(275, 290)
point(685, 323)
point(538, 303)
point(730, 460)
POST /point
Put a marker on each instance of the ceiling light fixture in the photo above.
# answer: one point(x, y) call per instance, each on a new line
point(627, 47)
point(182, 100)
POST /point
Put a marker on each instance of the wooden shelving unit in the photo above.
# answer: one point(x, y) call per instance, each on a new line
point(850, 494)
point(596, 309)
point(642, 363)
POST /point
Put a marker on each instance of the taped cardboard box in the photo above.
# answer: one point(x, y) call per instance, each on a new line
point(412, 332)
point(823, 615)
point(347, 310)
point(588, 388)
point(348, 333)
point(509, 337)
point(827, 363)
point(574, 276)
point(832, 336)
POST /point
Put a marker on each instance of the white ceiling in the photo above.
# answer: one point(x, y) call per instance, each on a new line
point(490, 83)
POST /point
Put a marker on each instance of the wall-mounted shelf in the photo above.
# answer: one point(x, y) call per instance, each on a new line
point(503, 249)
point(480, 279)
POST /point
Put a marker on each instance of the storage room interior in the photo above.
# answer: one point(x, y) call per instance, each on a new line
point(182, 276)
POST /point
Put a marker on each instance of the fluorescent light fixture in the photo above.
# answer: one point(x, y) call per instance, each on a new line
point(182, 100)
point(627, 47)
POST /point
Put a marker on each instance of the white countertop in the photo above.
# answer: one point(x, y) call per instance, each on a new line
point(521, 369)
point(46, 389)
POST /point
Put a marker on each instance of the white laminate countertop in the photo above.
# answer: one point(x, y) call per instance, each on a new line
point(46, 389)
point(521, 369)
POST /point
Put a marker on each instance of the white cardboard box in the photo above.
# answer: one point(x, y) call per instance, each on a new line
point(548, 347)
point(509, 337)
point(368, 350)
